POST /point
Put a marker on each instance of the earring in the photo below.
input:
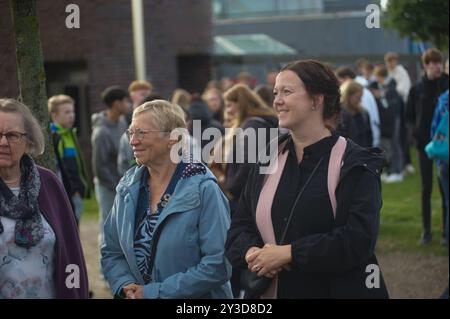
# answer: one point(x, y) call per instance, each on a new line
point(313, 108)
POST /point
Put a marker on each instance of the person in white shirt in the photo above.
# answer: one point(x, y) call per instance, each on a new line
point(399, 73)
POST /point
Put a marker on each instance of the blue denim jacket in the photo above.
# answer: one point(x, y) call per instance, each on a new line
point(189, 261)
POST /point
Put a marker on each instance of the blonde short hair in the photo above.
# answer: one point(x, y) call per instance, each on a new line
point(140, 85)
point(390, 56)
point(57, 100)
point(34, 137)
point(166, 116)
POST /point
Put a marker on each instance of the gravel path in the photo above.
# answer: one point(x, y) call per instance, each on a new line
point(407, 275)
point(89, 239)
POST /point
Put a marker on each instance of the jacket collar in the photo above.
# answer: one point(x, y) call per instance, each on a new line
point(181, 201)
point(61, 130)
point(316, 150)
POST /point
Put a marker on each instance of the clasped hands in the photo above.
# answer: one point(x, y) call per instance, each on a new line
point(133, 291)
point(269, 260)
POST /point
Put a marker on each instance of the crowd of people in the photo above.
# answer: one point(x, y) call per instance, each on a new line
point(173, 225)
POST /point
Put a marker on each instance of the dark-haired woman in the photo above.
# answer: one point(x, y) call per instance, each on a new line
point(327, 250)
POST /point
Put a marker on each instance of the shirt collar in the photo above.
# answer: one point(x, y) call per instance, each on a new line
point(315, 150)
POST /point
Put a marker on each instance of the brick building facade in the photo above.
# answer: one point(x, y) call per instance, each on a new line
point(82, 62)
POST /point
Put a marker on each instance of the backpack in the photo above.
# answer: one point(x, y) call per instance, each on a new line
point(334, 170)
point(438, 147)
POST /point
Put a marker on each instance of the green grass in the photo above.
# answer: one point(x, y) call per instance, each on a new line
point(401, 217)
point(90, 208)
point(401, 221)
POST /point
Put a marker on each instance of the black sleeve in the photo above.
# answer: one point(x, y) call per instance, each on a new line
point(369, 134)
point(410, 112)
point(344, 125)
point(351, 244)
point(237, 173)
point(243, 232)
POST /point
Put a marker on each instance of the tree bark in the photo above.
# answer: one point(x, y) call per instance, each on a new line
point(30, 70)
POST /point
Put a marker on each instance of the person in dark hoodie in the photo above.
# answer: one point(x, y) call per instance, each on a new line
point(422, 101)
point(335, 200)
point(199, 112)
point(213, 98)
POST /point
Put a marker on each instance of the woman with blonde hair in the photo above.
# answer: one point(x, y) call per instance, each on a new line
point(182, 98)
point(355, 121)
point(245, 110)
point(248, 112)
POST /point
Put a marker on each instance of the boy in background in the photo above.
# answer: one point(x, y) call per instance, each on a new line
point(67, 148)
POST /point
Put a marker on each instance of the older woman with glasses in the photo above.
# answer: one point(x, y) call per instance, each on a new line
point(40, 251)
point(165, 235)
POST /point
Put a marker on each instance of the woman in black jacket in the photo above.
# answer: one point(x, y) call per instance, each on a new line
point(249, 113)
point(355, 120)
point(328, 246)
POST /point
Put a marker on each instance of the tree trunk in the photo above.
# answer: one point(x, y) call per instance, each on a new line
point(30, 70)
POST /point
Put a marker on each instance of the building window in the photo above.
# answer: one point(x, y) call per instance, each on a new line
point(235, 9)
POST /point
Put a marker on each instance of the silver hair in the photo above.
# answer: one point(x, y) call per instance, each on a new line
point(34, 137)
point(166, 116)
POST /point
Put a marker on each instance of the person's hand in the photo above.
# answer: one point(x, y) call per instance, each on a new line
point(271, 274)
point(133, 291)
point(270, 260)
point(251, 254)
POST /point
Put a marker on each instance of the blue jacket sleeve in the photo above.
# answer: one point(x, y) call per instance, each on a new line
point(114, 264)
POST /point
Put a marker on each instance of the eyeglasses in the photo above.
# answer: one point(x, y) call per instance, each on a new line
point(139, 133)
point(12, 137)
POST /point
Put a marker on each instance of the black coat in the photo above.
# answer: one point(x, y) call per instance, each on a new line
point(356, 127)
point(332, 263)
point(237, 173)
point(422, 100)
point(198, 110)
